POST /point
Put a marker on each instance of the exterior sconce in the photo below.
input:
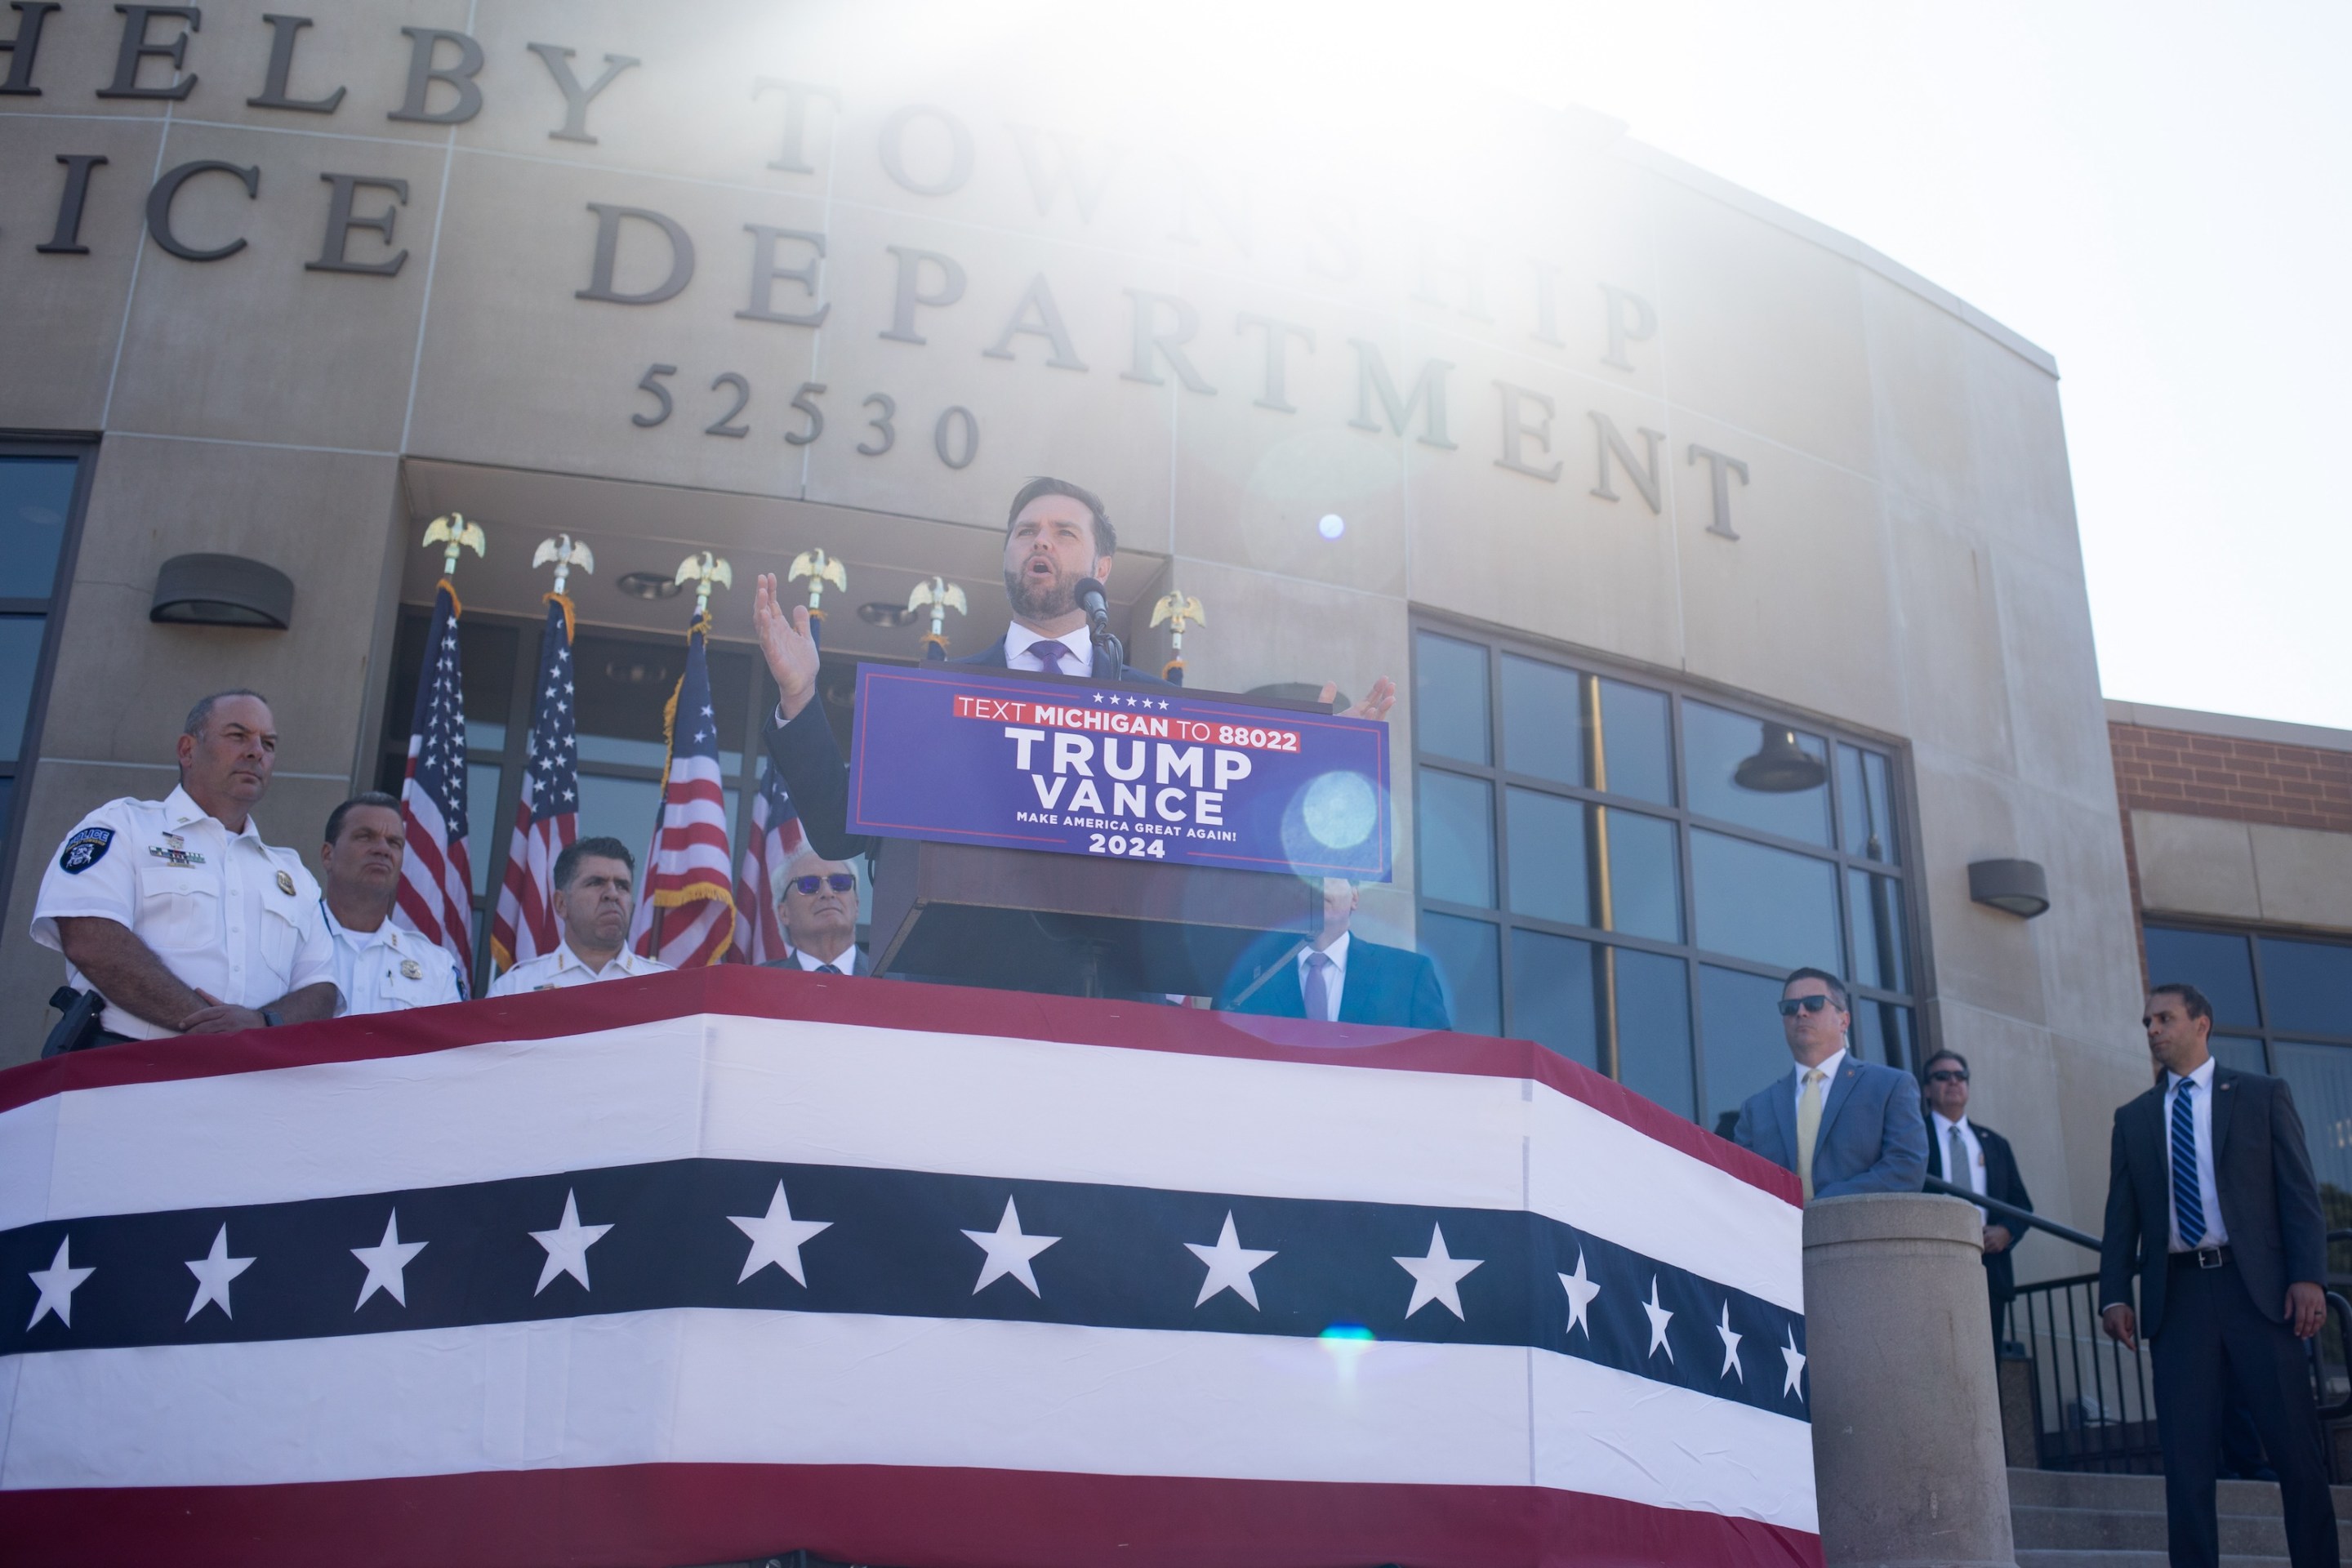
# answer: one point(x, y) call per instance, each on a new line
point(2014, 887)
point(221, 591)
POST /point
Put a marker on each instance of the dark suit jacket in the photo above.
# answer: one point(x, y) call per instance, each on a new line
point(1871, 1138)
point(2269, 1200)
point(2002, 1185)
point(1383, 984)
point(805, 753)
point(853, 958)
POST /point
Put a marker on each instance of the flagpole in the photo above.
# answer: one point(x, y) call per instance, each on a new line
point(437, 873)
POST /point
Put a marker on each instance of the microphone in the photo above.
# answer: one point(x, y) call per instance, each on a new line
point(1090, 599)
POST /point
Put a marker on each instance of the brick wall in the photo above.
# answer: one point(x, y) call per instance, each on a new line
point(2242, 780)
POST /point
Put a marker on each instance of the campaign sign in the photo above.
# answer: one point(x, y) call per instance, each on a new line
point(969, 755)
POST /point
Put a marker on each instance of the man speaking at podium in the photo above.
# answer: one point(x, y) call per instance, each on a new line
point(1056, 540)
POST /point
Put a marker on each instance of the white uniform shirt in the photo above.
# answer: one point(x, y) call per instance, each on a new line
point(1971, 1171)
point(1019, 639)
point(1335, 979)
point(2200, 1116)
point(226, 913)
point(563, 969)
point(389, 968)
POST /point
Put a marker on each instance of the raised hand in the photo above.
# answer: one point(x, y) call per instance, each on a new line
point(786, 642)
point(1375, 705)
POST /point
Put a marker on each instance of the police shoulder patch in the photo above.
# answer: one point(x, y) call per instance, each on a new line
point(85, 848)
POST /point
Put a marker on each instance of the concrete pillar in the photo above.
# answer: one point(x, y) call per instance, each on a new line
point(1908, 1456)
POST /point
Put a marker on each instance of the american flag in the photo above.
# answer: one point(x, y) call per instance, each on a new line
point(775, 839)
point(436, 883)
point(685, 914)
point(547, 817)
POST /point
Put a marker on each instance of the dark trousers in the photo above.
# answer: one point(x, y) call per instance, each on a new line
point(2216, 1349)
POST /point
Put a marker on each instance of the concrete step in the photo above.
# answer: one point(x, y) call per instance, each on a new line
point(2143, 1494)
point(2109, 1529)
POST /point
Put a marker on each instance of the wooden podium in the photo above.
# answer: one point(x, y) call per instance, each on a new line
point(1024, 920)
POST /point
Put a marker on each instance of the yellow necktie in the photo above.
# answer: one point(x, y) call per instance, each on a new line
point(1808, 1127)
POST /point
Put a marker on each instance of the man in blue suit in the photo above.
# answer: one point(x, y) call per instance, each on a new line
point(1056, 536)
point(1843, 1125)
point(1335, 977)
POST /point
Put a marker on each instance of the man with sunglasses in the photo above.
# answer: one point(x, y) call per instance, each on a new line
point(817, 906)
point(1843, 1125)
point(1986, 1166)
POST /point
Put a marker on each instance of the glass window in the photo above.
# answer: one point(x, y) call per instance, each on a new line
point(2321, 1076)
point(20, 663)
point(2308, 985)
point(2216, 962)
point(1720, 747)
point(2237, 1051)
point(619, 808)
point(1552, 996)
point(1634, 741)
point(484, 829)
point(1548, 877)
point(1449, 698)
point(1543, 724)
point(1603, 910)
point(1746, 1048)
point(1866, 805)
point(1874, 912)
point(1466, 953)
point(1770, 905)
point(1654, 1039)
point(1457, 838)
point(1645, 882)
point(36, 501)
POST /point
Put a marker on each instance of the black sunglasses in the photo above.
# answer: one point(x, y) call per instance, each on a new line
point(839, 882)
point(1792, 1005)
point(1947, 1075)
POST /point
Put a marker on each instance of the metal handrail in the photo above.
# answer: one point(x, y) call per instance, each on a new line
point(2023, 1217)
point(2337, 1409)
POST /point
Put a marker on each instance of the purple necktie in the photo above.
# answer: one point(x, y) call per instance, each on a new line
point(1318, 986)
point(1049, 654)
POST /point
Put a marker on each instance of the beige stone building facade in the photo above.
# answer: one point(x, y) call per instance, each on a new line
point(1630, 478)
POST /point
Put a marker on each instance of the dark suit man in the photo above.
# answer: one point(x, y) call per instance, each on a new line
point(1335, 975)
point(1056, 536)
point(2212, 1203)
point(1845, 1126)
point(1986, 1166)
point(816, 906)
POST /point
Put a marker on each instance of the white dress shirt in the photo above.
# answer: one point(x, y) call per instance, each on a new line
point(1335, 980)
point(809, 962)
point(2200, 1116)
point(1971, 1173)
point(1080, 659)
point(389, 968)
point(563, 969)
point(1828, 1068)
point(226, 913)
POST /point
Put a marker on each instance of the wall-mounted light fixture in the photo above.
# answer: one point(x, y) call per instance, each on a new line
point(2020, 888)
point(1780, 765)
point(221, 591)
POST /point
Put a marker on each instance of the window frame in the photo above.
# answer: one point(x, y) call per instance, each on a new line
point(83, 450)
point(2266, 1032)
point(1904, 870)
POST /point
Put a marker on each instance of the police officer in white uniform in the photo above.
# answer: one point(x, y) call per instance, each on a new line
point(176, 911)
point(381, 965)
point(595, 887)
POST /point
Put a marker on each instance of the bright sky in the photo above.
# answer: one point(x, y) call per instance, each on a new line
point(2154, 193)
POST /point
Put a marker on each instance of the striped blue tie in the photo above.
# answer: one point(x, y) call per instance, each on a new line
point(2188, 1196)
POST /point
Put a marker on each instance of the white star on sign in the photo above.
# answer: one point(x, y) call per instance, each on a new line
point(1796, 1361)
point(776, 1238)
point(384, 1262)
point(1659, 1319)
point(59, 1281)
point(1581, 1292)
point(1009, 1251)
point(1230, 1264)
point(567, 1246)
point(1730, 1347)
point(214, 1271)
point(1438, 1277)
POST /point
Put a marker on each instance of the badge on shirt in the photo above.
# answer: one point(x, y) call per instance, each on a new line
point(286, 884)
point(410, 970)
point(84, 850)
